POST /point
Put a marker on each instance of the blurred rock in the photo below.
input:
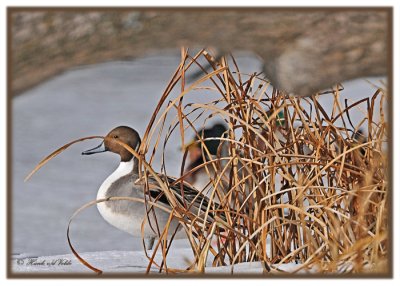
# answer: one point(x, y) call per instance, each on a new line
point(303, 50)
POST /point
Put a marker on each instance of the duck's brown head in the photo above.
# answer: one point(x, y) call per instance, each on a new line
point(124, 134)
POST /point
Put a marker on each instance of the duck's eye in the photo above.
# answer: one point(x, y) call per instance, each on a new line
point(115, 136)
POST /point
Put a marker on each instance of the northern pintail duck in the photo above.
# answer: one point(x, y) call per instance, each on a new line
point(125, 181)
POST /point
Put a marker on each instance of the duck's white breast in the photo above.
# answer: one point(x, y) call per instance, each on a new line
point(130, 224)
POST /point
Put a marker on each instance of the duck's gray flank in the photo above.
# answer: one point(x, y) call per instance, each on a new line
point(124, 187)
point(127, 186)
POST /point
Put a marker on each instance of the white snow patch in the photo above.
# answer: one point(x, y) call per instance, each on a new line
point(129, 262)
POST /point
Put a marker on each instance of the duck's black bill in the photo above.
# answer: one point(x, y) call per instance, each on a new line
point(99, 149)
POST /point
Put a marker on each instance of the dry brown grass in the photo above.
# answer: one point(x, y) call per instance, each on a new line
point(296, 184)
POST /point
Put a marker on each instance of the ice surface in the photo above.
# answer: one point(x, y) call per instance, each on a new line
point(132, 262)
point(107, 261)
point(87, 101)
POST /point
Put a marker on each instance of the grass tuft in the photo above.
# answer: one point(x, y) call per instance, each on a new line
point(295, 181)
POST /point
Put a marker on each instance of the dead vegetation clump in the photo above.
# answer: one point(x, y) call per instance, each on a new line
point(294, 181)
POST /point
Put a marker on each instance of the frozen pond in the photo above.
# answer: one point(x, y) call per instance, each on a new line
point(87, 101)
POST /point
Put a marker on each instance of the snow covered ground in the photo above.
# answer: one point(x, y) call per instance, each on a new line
point(107, 261)
point(87, 101)
point(134, 262)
